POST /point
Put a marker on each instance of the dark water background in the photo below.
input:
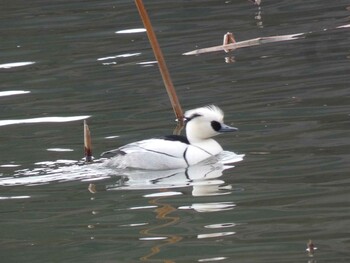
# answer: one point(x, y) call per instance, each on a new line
point(289, 99)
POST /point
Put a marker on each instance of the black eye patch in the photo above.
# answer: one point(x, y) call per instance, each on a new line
point(192, 117)
point(216, 125)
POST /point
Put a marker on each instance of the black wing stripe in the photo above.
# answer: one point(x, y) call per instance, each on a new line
point(159, 152)
point(184, 155)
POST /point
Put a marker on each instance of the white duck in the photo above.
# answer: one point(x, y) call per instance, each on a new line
point(175, 151)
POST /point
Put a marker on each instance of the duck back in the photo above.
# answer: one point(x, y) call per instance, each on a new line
point(169, 152)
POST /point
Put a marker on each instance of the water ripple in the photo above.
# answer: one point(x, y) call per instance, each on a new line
point(210, 207)
point(219, 234)
point(13, 92)
point(16, 64)
point(131, 31)
point(211, 259)
point(42, 120)
point(223, 225)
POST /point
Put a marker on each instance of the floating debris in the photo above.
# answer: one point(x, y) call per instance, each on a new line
point(230, 43)
point(245, 43)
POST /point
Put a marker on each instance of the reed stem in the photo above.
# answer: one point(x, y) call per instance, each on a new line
point(87, 143)
point(161, 62)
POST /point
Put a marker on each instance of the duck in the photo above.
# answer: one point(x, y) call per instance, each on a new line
point(175, 151)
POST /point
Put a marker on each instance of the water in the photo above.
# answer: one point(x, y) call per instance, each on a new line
point(290, 101)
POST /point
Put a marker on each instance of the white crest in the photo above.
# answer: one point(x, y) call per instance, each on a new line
point(210, 111)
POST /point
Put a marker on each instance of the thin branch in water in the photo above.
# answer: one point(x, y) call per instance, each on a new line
point(245, 43)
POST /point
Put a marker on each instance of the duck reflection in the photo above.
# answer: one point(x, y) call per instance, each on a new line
point(204, 179)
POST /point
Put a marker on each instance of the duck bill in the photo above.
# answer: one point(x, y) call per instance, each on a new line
point(226, 128)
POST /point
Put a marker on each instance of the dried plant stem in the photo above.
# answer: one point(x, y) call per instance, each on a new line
point(228, 39)
point(87, 143)
point(161, 62)
point(246, 43)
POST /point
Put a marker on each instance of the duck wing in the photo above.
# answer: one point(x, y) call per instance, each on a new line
point(172, 145)
point(152, 154)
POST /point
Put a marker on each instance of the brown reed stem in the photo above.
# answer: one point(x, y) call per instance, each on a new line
point(87, 143)
point(161, 62)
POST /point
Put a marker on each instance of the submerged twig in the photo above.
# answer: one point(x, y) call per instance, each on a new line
point(246, 43)
point(87, 143)
point(161, 62)
point(311, 248)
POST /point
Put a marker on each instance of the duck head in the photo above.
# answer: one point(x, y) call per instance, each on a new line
point(204, 123)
